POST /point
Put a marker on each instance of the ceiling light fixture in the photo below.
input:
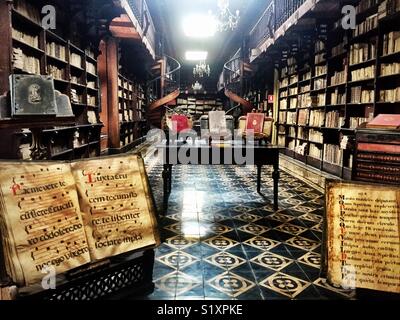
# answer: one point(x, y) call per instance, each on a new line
point(197, 86)
point(200, 26)
point(226, 20)
point(202, 69)
point(196, 55)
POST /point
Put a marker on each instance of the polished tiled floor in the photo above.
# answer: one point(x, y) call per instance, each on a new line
point(222, 240)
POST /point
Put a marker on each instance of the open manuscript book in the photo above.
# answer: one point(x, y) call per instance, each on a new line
point(66, 215)
point(362, 240)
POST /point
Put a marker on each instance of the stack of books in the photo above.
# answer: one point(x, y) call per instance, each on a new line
point(390, 95)
point(75, 60)
point(391, 42)
point(32, 40)
point(56, 50)
point(368, 24)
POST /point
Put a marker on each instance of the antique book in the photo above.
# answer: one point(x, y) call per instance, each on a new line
point(178, 123)
point(363, 236)
point(65, 215)
point(385, 121)
point(217, 123)
point(378, 147)
point(380, 168)
point(255, 122)
point(32, 95)
point(371, 176)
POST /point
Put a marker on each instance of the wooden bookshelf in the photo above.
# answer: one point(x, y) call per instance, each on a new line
point(131, 108)
point(259, 99)
point(70, 60)
point(361, 81)
point(197, 105)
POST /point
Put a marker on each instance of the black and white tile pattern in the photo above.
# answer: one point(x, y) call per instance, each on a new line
point(222, 240)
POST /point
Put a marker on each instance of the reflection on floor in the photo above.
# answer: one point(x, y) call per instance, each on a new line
point(222, 240)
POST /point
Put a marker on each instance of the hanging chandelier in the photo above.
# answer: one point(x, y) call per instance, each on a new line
point(197, 86)
point(226, 20)
point(202, 69)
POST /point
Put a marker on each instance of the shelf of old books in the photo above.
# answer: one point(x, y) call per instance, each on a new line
point(131, 108)
point(35, 50)
point(342, 86)
point(260, 99)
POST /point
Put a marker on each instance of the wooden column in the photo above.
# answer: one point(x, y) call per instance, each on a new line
point(6, 46)
point(108, 72)
point(163, 68)
point(102, 70)
point(276, 106)
point(8, 141)
point(112, 75)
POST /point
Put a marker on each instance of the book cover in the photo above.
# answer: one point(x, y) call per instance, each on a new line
point(179, 123)
point(255, 122)
point(378, 147)
point(385, 121)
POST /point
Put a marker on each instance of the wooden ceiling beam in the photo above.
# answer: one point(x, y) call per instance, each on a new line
point(122, 21)
point(123, 28)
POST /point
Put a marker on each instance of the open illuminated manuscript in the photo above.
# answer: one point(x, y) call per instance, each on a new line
point(65, 215)
point(115, 198)
point(363, 236)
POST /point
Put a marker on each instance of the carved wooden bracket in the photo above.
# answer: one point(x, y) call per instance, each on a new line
point(38, 151)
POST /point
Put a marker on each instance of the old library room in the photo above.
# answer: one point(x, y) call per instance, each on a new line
point(170, 150)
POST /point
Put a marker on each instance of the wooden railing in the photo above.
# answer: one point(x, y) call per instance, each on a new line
point(284, 9)
point(234, 83)
point(139, 12)
point(264, 27)
point(166, 86)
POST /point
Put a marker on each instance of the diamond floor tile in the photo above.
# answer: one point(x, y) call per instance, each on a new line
point(222, 240)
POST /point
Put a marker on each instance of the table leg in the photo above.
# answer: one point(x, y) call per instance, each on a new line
point(275, 176)
point(169, 179)
point(165, 176)
point(259, 168)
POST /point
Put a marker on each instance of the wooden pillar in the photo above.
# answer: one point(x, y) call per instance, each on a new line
point(8, 142)
point(102, 70)
point(108, 73)
point(276, 106)
point(163, 69)
point(112, 75)
point(241, 93)
point(6, 46)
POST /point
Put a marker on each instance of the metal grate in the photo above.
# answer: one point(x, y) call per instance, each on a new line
point(284, 9)
point(264, 28)
point(133, 277)
point(273, 17)
point(137, 9)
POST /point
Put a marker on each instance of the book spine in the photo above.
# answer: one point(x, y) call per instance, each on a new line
point(375, 147)
point(378, 167)
point(376, 157)
point(378, 177)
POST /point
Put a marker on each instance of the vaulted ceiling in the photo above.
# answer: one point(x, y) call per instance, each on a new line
point(168, 16)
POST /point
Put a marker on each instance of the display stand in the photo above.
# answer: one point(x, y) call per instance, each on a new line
point(126, 275)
